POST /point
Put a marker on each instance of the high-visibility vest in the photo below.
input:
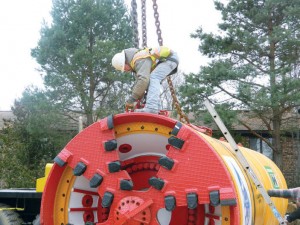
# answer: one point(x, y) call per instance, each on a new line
point(156, 54)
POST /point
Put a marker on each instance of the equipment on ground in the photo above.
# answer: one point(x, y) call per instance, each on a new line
point(139, 168)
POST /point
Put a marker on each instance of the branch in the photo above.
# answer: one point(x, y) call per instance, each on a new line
point(233, 96)
point(71, 117)
point(249, 61)
point(253, 84)
point(264, 120)
point(257, 135)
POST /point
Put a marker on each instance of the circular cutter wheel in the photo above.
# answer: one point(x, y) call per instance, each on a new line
point(137, 168)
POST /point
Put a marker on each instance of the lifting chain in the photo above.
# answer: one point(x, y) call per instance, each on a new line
point(134, 22)
point(157, 23)
point(144, 25)
point(182, 116)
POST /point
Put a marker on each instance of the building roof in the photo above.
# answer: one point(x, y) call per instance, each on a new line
point(290, 120)
point(5, 116)
point(68, 124)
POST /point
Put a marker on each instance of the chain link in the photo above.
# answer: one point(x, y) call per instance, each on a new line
point(134, 22)
point(144, 24)
point(182, 116)
point(157, 23)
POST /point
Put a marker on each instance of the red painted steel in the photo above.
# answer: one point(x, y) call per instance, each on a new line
point(197, 169)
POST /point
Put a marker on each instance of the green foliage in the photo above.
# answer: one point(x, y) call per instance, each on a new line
point(256, 56)
point(13, 172)
point(75, 54)
point(32, 139)
point(225, 112)
point(255, 62)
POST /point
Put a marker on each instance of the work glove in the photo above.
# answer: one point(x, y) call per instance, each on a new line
point(129, 104)
point(286, 218)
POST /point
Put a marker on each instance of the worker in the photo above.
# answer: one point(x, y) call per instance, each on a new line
point(151, 66)
point(293, 194)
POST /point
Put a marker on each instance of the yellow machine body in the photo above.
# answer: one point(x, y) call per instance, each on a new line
point(266, 171)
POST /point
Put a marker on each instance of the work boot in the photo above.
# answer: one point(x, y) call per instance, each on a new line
point(147, 110)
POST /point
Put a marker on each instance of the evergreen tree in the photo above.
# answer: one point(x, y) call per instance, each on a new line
point(255, 63)
point(13, 172)
point(75, 54)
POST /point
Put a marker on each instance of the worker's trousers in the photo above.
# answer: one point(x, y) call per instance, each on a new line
point(161, 71)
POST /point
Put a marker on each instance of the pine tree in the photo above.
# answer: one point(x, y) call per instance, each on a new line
point(255, 63)
point(75, 54)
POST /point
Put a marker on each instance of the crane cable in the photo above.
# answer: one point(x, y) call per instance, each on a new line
point(182, 116)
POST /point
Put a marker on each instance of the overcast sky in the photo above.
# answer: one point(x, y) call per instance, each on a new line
point(20, 23)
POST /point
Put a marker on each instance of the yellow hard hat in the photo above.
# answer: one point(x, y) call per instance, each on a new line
point(118, 61)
